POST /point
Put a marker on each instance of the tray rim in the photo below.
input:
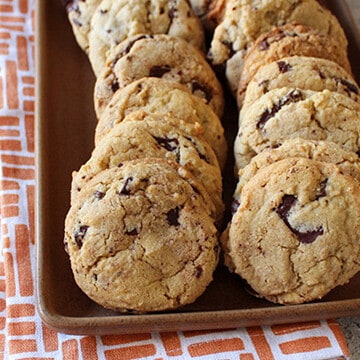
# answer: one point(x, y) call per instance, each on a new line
point(171, 321)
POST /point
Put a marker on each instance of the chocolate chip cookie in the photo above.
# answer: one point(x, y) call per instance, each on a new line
point(160, 56)
point(289, 113)
point(115, 21)
point(154, 95)
point(295, 235)
point(245, 20)
point(304, 72)
point(289, 40)
point(140, 237)
point(139, 137)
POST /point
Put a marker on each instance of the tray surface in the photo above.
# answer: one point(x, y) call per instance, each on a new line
point(65, 132)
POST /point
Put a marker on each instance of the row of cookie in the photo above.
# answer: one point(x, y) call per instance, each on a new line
point(141, 230)
point(288, 237)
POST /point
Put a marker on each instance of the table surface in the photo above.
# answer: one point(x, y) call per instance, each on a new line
point(351, 326)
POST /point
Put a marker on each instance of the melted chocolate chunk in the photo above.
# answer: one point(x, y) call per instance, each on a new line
point(126, 188)
point(283, 210)
point(349, 86)
point(284, 66)
point(234, 206)
point(229, 45)
point(167, 143)
point(292, 97)
point(172, 9)
point(263, 45)
point(159, 71)
point(173, 216)
point(132, 232)
point(79, 235)
point(322, 189)
point(115, 86)
point(99, 195)
point(198, 271)
point(196, 86)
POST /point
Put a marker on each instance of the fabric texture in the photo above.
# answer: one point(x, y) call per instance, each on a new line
point(22, 333)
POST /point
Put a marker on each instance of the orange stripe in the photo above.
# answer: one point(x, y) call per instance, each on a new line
point(131, 352)
point(30, 192)
point(88, 348)
point(12, 85)
point(29, 105)
point(288, 329)
point(9, 185)
point(4, 51)
point(20, 310)
point(11, 27)
point(216, 346)
point(18, 160)
point(70, 350)
point(7, 199)
point(171, 343)
point(29, 91)
point(21, 328)
point(29, 131)
point(23, 6)
point(9, 211)
point(2, 270)
point(4, 45)
point(8, 133)
point(2, 286)
point(2, 304)
point(5, 35)
point(25, 174)
point(12, 145)
point(260, 343)
point(50, 339)
point(2, 344)
point(21, 346)
point(10, 275)
point(9, 121)
point(1, 93)
point(2, 323)
point(124, 339)
point(22, 53)
point(309, 344)
point(6, 8)
point(12, 19)
point(28, 80)
point(23, 260)
point(6, 243)
point(247, 356)
point(339, 335)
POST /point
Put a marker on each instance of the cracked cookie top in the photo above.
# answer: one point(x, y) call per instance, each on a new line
point(287, 113)
point(165, 137)
point(295, 234)
point(140, 237)
point(162, 56)
point(159, 96)
point(245, 20)
point(114, 21)
point(304, 72)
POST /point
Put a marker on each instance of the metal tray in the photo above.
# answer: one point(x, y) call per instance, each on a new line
point(65, 125)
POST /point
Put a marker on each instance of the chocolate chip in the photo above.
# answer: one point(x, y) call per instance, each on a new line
point(126, 188)
point(283, 210)
point(322, 189)
point(173, 216)
point(196, 86)
point(115, 86)
point(159, 71)
point(99, 195)
point(292, 97)
point(79, 235)
point(284, 66)
point(263, 45)
point(95, 277)
point(349, 86)
point(229, 45)
point(172, 10)
point(234, 206)
point(132, 232)
point(198, 271)
point(169, 144)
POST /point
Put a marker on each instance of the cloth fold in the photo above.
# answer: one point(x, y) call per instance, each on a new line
point(22, 333)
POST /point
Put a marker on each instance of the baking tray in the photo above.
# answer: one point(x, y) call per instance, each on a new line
point(65, 125)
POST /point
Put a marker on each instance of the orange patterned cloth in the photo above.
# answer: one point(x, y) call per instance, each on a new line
point(22, 333)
